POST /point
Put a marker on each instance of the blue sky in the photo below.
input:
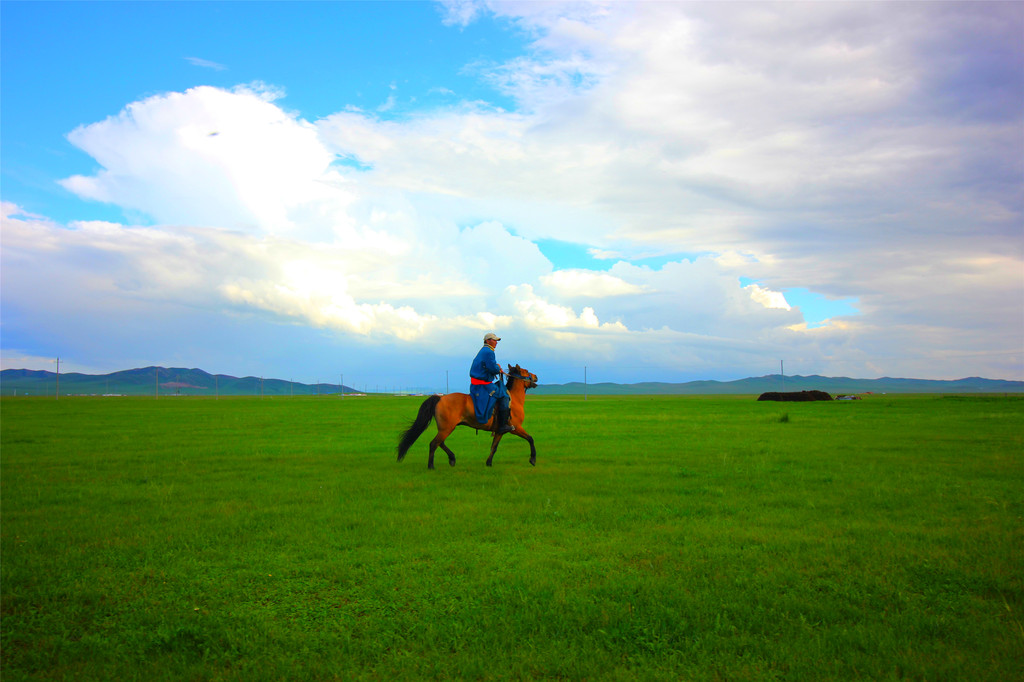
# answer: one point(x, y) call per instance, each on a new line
point(654, 191)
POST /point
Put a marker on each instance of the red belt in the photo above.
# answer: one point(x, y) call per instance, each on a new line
point(479, 382)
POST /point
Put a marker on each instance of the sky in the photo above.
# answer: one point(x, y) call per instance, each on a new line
point(641, 191)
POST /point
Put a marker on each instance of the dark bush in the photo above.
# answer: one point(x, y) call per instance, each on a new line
point(795, 396)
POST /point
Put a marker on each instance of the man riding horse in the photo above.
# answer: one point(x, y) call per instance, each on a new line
point(485, 390)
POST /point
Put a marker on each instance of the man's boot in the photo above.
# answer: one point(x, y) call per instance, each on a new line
point(502, 414)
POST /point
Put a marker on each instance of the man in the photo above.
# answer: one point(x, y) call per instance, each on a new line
point(483, 388)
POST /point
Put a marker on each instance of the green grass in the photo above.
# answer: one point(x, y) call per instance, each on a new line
point(657, 538)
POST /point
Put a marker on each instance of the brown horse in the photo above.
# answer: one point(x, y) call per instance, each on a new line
point(456, 409)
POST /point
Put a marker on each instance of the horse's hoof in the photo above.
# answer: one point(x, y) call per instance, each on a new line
point(451, 462)
point(533, 461)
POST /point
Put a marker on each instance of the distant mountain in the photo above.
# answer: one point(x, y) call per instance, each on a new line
point(196, 382)
point(776, 382)
point(145, 380)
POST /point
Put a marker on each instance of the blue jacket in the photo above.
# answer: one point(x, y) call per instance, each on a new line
point(485, 367)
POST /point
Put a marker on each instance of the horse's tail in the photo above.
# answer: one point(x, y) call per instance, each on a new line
point(418, 426)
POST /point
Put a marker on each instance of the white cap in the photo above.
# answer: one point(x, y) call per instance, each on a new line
point(491, 336)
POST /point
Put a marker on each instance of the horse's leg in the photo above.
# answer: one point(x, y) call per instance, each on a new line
point(529, 439)
point(494, 447)
point(522, 434)
point(438, 442)
point(451, 455)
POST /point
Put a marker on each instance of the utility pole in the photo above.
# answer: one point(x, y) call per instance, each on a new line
point(57, 391)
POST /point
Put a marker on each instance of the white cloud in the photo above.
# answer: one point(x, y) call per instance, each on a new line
point(334, 309)
point(767, 297)
point(575, 283)
point(604, 254)
point(461, 12)
point(537, 312)
point(209, 157)
point(205, 63)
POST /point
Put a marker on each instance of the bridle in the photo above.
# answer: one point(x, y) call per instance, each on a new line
point(527, 379)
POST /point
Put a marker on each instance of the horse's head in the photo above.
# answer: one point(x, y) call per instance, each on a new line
point(518, 373)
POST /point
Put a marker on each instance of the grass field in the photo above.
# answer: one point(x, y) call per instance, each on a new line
point(657, 538)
